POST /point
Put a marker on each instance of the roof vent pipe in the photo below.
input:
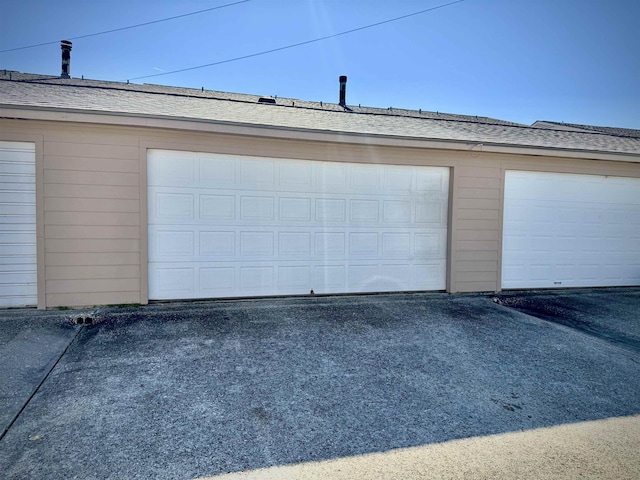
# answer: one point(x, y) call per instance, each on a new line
point(65, 45)
point(343, 90)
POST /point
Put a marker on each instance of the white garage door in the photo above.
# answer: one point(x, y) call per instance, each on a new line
point(227, 226)
point(18, 279)
point(563, 230)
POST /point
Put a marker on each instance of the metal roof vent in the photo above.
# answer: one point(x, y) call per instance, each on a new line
point(267, 100)
point(343, 90)
point(65, 45)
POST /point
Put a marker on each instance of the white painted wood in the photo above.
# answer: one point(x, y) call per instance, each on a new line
point(228, 226)
point(566, 230)
point(18, 263)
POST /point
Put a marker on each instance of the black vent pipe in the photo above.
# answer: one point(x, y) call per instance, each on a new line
point(343, 90)
point(65, 45)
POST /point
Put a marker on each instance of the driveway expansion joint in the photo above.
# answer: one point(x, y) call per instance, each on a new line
point(44, 379)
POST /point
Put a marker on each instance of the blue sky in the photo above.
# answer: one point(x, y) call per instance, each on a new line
point(576, 61)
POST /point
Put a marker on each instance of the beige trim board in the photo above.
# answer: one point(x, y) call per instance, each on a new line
point(212, 126)
point(144, 224)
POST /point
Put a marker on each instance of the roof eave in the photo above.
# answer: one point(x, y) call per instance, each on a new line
point(25, 112)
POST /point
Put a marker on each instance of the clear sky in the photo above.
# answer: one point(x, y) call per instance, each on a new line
point(576, 61)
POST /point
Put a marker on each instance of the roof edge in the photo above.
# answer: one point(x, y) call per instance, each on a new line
point(13, 112)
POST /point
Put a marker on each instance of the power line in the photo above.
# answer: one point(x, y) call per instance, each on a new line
point(299, 43)
point(129, 27)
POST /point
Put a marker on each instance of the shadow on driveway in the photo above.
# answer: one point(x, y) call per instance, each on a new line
point(187, 390)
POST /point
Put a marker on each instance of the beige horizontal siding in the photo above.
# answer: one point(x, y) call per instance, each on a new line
point(467, 286)
point(489, 183)
point(479, 204)
point(478, 214)
point(88, 259)
point(479, 193)
point(92, 205)
point(476, 256)
point(87, 219)
point(91, 298)
point(74, 177)
point(482, 277)
point(92, 135)
point(90, 150)
point(479, 172)
point(97, 232)
point(92, 164)
point(80, 272)
point(477, 234)
point(469, 224)
point(92, 216)
point(476, 227)
point(477, 266)
point(92, 245)
point(92, 285)
point(92, 191)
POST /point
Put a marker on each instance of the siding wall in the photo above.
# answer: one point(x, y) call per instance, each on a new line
point(92, 201)
point(91, 217)
point(477, 192)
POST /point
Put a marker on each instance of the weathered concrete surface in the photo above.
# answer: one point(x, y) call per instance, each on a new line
point(30, 344)
point(198, 389)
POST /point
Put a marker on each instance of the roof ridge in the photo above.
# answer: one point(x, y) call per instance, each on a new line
point(378, 111)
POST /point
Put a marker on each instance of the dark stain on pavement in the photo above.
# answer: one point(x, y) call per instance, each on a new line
point(578, 312)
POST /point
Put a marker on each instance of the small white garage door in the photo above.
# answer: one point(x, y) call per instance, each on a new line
point(565, 230)
point(228, 226)
point(18, 279)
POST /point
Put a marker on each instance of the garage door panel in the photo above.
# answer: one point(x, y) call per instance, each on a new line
point(297, 209)
point(217, 244)
point(330, 244)
point(428, 276)
point(24, 213)
point(277, 226)
point(18, 167)
point(217, 281)
point(294, 244)
point(294, 279)
point(582, 227)
point(220, 172)
point(172, 282)
point(257, 280)
point(295, 175)
point(257, 208)
point(329, 278)
point(18, 278)
point(172, 168)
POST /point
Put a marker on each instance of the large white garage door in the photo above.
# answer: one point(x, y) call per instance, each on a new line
point(18, 279)
point(564, 230)
point(226, 226)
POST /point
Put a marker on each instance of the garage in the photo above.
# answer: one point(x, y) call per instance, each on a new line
point(18, 260)
point(570, 230)
point(239, 226)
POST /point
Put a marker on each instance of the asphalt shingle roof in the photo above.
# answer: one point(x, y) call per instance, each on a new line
point(37, 91)
point(619, 132)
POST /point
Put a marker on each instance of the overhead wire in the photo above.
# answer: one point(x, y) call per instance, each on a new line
point(293, 45)
point(128, 27)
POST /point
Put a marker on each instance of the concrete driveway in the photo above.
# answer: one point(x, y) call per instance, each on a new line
point(390, 386)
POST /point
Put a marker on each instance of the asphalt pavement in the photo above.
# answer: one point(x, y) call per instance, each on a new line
point(193, 390)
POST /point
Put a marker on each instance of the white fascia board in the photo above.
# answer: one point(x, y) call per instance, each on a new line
point(215, 126)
